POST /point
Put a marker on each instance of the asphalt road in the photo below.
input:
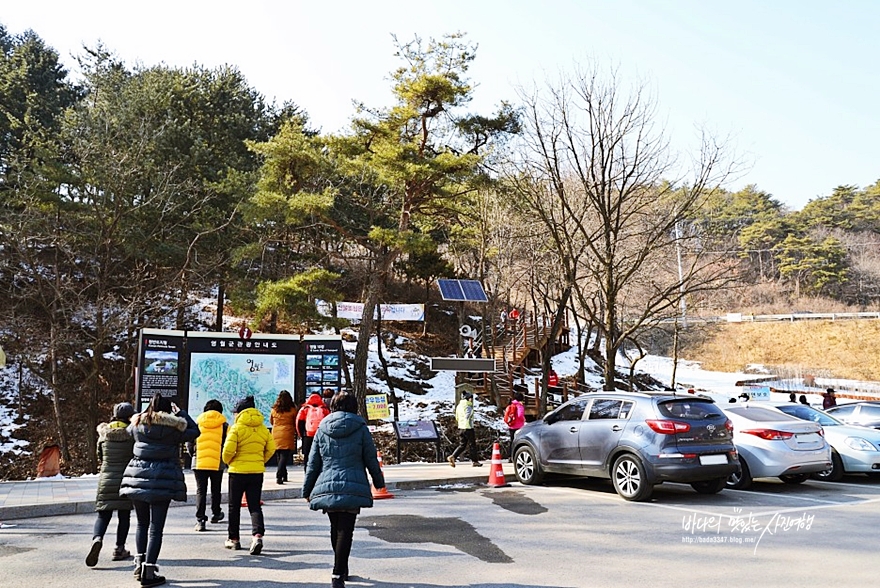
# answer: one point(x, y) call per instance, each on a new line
point(569, 533)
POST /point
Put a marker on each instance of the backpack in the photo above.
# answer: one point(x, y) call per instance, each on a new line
point(509, 414)
point(314, 417)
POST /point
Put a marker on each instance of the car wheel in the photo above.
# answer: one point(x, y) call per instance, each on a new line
point(742, 479)
point(794, 478)
point(526, 466)
point(630, 479)
point(710, 486)
point(835, 473)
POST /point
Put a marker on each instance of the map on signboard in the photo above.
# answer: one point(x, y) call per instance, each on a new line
point(230, 377)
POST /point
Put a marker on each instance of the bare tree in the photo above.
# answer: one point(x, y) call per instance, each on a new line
point(606, 185)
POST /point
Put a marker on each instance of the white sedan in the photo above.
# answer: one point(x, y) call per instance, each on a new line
point(772, 444)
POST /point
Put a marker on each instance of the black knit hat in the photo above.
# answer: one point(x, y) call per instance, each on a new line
point(245, 404)
point(123, 412)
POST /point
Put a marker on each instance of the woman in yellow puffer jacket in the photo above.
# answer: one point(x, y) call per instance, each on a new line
point(248, 447)
point(207, 465)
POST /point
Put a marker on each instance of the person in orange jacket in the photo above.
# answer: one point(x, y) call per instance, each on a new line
point(308, 418)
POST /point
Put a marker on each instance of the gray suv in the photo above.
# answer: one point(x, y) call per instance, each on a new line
point(637, 439)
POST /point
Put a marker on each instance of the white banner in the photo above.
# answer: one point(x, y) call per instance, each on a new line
point(390, 312)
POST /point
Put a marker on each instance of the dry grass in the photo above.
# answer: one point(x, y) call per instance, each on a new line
point(834, 349)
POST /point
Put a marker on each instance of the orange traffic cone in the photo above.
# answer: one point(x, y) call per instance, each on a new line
point(496, 474)
point(383, 492)
point(244, 503)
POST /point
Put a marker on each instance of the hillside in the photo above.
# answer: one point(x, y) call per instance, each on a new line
point(836, 349)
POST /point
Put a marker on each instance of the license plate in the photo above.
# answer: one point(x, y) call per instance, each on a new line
point(713, 459)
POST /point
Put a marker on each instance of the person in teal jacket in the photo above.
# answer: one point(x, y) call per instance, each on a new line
point(336, 476)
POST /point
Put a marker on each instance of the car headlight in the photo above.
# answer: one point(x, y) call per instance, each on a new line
point(860, 444)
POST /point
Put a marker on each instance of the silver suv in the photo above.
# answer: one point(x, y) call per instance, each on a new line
point(637, 439)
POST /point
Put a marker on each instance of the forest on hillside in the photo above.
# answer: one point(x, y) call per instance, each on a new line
point(131, 191)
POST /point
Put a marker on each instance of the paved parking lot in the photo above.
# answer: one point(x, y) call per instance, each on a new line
point(568, 533)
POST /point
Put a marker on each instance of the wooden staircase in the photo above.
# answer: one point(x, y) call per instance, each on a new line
point(514, 343)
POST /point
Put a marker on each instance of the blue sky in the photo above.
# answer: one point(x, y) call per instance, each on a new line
point(793, 83)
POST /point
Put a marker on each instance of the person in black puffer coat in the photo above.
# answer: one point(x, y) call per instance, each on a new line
point(115, 445)
point(336, 478)
point(154, 477)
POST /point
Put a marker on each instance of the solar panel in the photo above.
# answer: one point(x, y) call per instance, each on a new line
point(462, 290)
point(450, 290)
point(473, 291)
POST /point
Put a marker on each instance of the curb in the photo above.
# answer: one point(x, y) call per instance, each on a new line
point(28, 511)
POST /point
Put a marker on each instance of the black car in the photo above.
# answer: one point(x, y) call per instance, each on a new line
point(637, 439)
point(863, 414)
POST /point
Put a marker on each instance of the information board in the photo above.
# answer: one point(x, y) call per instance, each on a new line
point(192, 367)
point(412, 431)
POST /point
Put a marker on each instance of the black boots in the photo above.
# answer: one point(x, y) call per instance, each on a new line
point(150, 575)
point(94, 551)
point(138, 566)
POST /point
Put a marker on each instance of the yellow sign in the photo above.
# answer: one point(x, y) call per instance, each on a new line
point(377, 407)
point(2, 358)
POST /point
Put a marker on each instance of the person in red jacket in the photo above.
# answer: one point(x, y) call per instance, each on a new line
point(308, 418)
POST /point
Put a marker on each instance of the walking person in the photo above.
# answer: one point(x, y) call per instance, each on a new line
point(336, 480)
point(829, 399)
point(207, 462)
point(464, 415)
point(115, 449)
point(282, 417)
point(248, 447)
point(154, 477)
point(308, 418)
point(515, 417)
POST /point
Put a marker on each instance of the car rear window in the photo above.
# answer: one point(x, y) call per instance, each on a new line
point(689, 409)
point(756, 413)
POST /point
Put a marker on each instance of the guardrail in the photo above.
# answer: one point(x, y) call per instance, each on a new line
point(737, 317)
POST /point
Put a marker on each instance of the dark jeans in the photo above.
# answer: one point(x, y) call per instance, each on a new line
point(123, 523)
point(467, 438)
point(341, 534)
point(307, 447)
point(202, 479)
point(283, 457)
point(250, 486)
point(151, 523)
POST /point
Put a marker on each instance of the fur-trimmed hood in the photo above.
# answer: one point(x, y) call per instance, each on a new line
point(114, 431)
point(161, 418)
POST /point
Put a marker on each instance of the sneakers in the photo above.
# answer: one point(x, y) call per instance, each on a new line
point(217, 517)
point(451, 460)
point(477, 464)
point(200, 526)
point(94, 550)
point(233, 544)
point(121, 553)
point(256, 545)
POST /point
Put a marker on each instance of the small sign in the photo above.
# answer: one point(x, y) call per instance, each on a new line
point(758, 392)
point(462, 364)
point(416, 431)
point(245, 333)
point(377, 407)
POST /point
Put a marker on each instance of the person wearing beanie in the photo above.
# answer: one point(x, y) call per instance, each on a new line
point(308, 418)
point(248, 447)
point(115, 449)
point(207, 463)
